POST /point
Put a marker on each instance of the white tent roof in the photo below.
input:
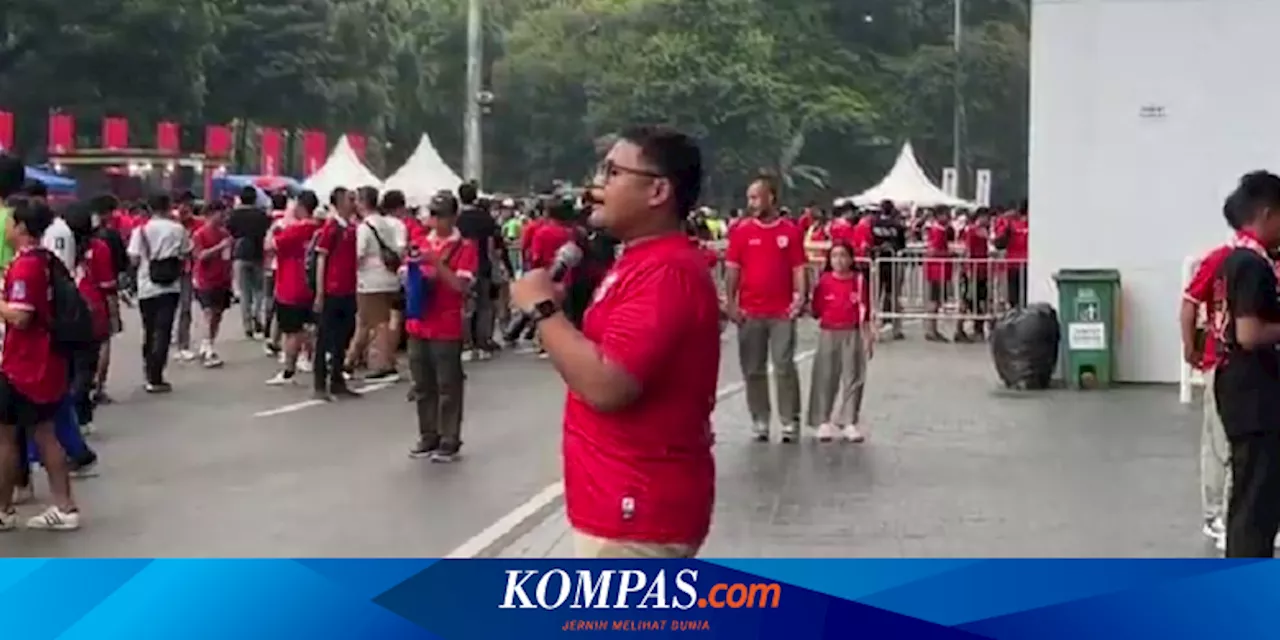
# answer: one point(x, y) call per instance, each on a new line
point(423, 174)
point(908, 184)
point(343, 168)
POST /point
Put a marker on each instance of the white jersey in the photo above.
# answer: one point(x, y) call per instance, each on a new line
point(59, 239)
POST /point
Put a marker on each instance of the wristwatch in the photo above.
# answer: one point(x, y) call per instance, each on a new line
point(543, 310)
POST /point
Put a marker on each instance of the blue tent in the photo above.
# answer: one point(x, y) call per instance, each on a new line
point(52, 181)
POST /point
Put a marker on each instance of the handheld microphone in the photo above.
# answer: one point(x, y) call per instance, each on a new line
point(567, 257)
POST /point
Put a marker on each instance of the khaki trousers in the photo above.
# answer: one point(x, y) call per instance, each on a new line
point(759, 341)
point(839, 375)
point(1215, 457)
point(593, 547)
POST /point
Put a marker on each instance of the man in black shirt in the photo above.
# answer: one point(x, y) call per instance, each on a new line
point(889, 240)
point(1247, 381)
point(249, 224)
point(475, 223)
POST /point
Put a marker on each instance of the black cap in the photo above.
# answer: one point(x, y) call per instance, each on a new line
point(443, 204)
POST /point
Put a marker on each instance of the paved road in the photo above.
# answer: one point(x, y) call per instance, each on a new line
point(203, 472)
point(955, 468)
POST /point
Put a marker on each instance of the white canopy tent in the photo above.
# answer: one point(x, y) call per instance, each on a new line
point(907, 184)
point(423, 175)
point(343, 168)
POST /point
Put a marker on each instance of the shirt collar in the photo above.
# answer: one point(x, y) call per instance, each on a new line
point(454, 235)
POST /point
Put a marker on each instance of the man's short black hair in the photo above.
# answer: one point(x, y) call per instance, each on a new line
point(161, 203)
point(186, 196)
point(309, 200)
point(34, 216)
point(279, 200)
point(105, 204)
point(248, 196)
point(12, 175)
point(337, 195)
point(393, 200)
point(468, 192)
point(35, 189)
point(1257, 190)
point(674, 155)
point(367, 196)
point(443, 204)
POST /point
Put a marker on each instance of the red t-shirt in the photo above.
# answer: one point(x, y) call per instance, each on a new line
point(442, 317)
point(291, 242)
point(862, 237)
point(1203, 290)
point(29, 361)
point(840, 303)
point(338, 242)
point(1018, 239)
point(645, 472)
point(546, 242)
point(766, 254)
point(976, 247)
point(212, 273)
point(526, 236)
point(96, 279)
point(937, 244)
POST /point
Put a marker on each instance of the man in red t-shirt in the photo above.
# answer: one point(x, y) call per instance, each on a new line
point(1013, 237)
point(293, 296)
point(976, 279)
point(335, 299)
point(447, 264)
point(766, 284)
point(34, 375)
point(639, 477)
point(211, 276)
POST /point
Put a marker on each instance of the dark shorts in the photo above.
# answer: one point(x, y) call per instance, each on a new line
point(17, 410)
point(293, 318)
point(214, 299)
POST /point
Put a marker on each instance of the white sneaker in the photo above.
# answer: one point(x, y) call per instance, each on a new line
point(852, 434)
point(186, 355)
point(8, 520)
point(305, 365)
point(827, 432)
point(1214, 528)
point(55, 519)
point(790, 432)
point(281, 379)
point(212, 361)
point(468, 356)
point(88, 430)
point(206, 348)
point(23, 495)
point(760, 431)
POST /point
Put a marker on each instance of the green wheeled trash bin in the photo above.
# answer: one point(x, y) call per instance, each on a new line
point(1089, 310)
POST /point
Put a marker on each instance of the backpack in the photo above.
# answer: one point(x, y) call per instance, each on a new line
point(71, 326)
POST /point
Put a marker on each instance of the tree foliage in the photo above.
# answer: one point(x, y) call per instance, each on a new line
point(821, 92)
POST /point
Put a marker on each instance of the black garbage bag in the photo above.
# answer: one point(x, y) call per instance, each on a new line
point(1024, 346)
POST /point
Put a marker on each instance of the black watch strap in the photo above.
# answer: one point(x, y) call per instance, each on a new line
point(544, 310)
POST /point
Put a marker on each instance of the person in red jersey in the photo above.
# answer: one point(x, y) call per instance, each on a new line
point(842, 305)
point(448, 264)
point(34, 374)
point(1203, 296)
point(530, 231)
point(1012, 237)
point(293, 295)
point(938, 268)
point(975, 285)
point(335, 296)
point(95, 275)
point(639, 477)
point(211, 276)
point(766, 287)
point(184, 206)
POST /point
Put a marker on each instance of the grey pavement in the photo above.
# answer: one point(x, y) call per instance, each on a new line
point(956, 467)
point(198, 473)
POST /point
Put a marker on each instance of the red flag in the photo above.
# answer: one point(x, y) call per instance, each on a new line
point(115, 133)
point(6, 131)
point(272, 144)
point(217, 141)
point(358, 144)
point(315, 146)
point(167, 137)
point(62, 133)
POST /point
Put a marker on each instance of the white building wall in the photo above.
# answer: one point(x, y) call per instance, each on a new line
point(1143, 115)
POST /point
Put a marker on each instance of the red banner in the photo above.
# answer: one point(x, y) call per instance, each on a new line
point(272, 145)
point(358, 144)
point(315, 147)
point(6, 131)
point(115, 133)
point(62, 133)
point(217, 141)
point(167, 138)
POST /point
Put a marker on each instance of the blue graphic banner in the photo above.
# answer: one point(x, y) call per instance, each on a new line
point(789, 599)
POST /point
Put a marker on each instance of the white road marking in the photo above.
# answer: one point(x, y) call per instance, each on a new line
point(298, 406)
point(482, 541)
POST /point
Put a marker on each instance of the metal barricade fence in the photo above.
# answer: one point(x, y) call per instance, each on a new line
point(915, 287)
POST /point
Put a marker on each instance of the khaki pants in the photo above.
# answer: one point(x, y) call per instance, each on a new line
point(373, 318)
point(592, 547)
point(759, 341)
point(1215, 457)
point(436, 368)
point(839, 375)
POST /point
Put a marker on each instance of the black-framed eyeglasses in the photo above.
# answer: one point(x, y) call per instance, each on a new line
point(608, 169)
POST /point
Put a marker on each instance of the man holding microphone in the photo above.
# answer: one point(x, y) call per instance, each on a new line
point(641, 374)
